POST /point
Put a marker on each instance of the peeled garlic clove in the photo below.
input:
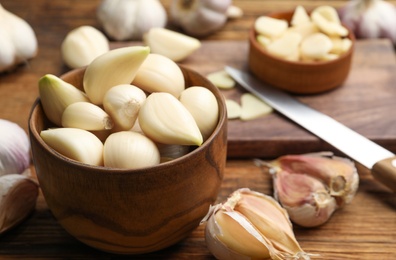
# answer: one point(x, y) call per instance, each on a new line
point(316, 46)
point(130, 150)
point(233, 109)
point(328, 12)
point(82, 45)
point(160, 74)
point(123, 103)
point(305, 198)
point(252, 107)
point(340, 45)
point(164, 119)
point(76, 144)
point(174, 45)
point(252, 225)
point(116, 67)
point(56, 95)
point(18, 196)
point(87, 116)
point(203, 106)
point(270, 27)
point(221, 79)
point(286, 45)
point(305, 29)
point(300, 16)
point(263, 40)
point(329, 27)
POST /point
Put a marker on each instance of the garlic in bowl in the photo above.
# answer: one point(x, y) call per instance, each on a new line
point(301, 52)
point(131, 211)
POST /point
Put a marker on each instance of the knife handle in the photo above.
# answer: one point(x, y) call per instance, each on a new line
point(385, 172)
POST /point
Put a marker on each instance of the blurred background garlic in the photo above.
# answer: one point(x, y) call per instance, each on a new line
point(18, 42)
point(130, 19)
point(370, 18)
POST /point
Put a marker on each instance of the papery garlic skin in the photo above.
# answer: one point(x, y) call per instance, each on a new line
point(123, 103)
point(130, 20)
point(74, 143)
point(203, 106)
point(116, 67)
point(18, 196)
point(55, 95)
point(82, 45)
point(160, 74)
point(18, 41)
point(14, 148)
point(199, 17)
point(164, 119)
point(130, 150)
point(370, 19)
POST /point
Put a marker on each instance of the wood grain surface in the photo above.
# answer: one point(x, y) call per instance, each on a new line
point(365, 229)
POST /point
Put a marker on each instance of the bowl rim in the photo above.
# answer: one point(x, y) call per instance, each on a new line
point(37, 108)
point(253, 34)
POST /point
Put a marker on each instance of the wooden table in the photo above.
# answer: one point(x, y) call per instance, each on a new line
point(365, 229)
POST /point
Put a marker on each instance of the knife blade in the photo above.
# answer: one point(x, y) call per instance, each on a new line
point(379, 160)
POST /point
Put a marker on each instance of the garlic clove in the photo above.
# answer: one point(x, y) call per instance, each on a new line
point(18, 40)
point(82, 45)
point(251, 225)
point(77, 144)
point(130, 150)
point(56, 95)
point(123, 103)
point(174, 45)
point(158, 73)
point(263, 40)
point(340, 45)
point(203, 106)
point(221, 79)
point(328, 12)
point(233, 109)
point(18, 196)
point(87, 116)
point(164, 119)
point(270, 27)
point(304, 30)
point(328, 27)
point(253, 107)
point(199, 18)
point(300, 16)
point(234, 12)
point(315, 46)
point(116, 67)
point(286, 45)
point(129, 20)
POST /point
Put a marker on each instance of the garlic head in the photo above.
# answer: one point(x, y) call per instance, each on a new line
point(18, 40)
point(82, 45)
point(129, 20)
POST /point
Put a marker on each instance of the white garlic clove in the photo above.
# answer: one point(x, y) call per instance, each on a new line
point(14, 148)
point(18, 196)
point(203, 106)
point(129, 20)
point(329, 27)
point(316, 46)
point(82, 45)
point(233, 109)
point(116, 67)
point(164, 119)
point(130, 150)
point(234, 12)
point(340, 45)
point(327, 12)
point(305, 29)
point(160, 74)
point(123, 103)
point(56, 95)
point(174, 45)
point(87, 116)
point(18, 40)
point(199, 17)
point(77, 144)
point(286, 45)
point(253, 107)
point(270, 27)
point(221, 79)
point(263, 40)
point(300, 16)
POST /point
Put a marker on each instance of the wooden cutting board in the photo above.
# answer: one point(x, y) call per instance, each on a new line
point(366, 102)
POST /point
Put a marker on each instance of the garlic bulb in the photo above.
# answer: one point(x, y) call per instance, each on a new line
point(199, 17)
point(82, 45)
point(202, 104)
point(18, 41)
point(130, 150)
point(14, 148)
point(251, 225)
point(370, 18)
point(130, 19)
point(18, 196)
point(160, 74)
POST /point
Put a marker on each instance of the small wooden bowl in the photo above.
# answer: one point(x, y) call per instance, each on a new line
point(297, 76)
point(131, 211)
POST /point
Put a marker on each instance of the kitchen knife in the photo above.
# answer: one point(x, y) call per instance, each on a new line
point(380, 161)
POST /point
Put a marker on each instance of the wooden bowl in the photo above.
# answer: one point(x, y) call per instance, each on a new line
point(131, 211)
point(297, 76)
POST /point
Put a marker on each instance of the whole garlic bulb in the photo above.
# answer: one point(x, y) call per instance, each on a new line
point(199, 17)
point(18, 41)
point(130, 19)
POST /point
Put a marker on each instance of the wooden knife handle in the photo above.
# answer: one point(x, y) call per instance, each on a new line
point(385, 172)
